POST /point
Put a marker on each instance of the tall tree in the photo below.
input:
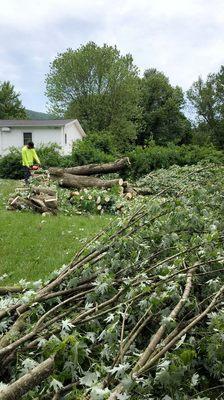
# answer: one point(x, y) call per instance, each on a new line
point(207, 98)
point(98, 86)
point(162, 104)
point(10, 105)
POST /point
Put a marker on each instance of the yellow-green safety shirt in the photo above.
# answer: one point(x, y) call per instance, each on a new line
point(29, 156)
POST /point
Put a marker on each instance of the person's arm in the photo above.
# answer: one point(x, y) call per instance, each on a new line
point(24, 158)
point(35, 156)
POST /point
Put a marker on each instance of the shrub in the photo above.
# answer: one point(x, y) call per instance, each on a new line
point(49, 155)
point(144, 160)
point(95, 148)
point(10, 165)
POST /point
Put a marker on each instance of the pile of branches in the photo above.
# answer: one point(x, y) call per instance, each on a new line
point(127, 317)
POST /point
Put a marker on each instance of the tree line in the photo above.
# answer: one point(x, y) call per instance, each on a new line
point(103, 89)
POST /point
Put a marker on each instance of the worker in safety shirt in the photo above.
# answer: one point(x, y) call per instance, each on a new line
point(29, 158)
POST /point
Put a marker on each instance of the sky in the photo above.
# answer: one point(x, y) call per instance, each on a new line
point(182, 38)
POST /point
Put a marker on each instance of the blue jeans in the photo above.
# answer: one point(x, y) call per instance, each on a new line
point(27, 174)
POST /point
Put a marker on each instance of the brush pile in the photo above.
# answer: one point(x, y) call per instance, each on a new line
point(137, 314)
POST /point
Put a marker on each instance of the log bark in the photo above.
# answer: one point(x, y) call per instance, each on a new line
point(91, 169)
point(76, 181)
point(10, 289)
point(16, 390)
point(39, 203)
point(44, 190)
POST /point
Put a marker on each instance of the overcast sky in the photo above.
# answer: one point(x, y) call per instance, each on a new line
point(182, 38)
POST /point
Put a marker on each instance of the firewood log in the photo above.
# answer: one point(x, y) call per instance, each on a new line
point(76, 181)
point(39, 190)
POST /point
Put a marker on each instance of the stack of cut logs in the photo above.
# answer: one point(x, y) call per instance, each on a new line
point(37, 198)
point(82, 177)
point(44, 199)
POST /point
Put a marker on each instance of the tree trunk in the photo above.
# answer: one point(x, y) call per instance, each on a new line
point(91, 169)
point(76, 181)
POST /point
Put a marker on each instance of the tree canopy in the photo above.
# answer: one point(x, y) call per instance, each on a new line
point(10, 105)
point(162, 104)
point(97, 85)
point(207, 98)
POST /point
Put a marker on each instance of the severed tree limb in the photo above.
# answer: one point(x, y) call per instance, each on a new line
point(160, 332)
point(197, 319)
point(119, 388)
point(76, 181)
point(21, 386)
point(133, 334)
point(16, 328)
point(92, 169)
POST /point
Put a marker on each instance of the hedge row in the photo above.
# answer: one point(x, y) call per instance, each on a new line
point(143, 160)
point(154, 157)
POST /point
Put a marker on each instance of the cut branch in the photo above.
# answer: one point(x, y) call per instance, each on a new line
point(16, 390)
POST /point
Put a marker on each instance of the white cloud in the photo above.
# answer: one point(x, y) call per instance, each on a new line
point(183, 38)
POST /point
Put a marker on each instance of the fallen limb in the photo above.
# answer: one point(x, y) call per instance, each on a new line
point(181, 333)
point(20, 387)
point(160, 332)
point(76, 181)
point(91, 169)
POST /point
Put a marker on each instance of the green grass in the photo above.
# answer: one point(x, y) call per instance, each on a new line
point(32, 246)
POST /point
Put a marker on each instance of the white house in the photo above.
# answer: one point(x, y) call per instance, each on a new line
point(19, 132)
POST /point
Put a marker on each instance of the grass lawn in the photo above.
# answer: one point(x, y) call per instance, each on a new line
point(32, 246)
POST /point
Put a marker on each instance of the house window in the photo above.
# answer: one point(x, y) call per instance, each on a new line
point(27, 137)
point(65, 138)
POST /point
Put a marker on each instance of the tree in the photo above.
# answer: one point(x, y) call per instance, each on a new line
point(10, 105)
point(98, 86)
point(162, 104)
point(207, 99)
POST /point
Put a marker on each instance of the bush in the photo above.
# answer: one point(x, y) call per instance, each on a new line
point(49, 155)
point(10, 165)
point(144, 160)
point(95, 148)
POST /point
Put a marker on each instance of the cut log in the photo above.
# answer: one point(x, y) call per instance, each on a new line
point(39, 190)
point(129, 189)
point(19, 203)
point(74, 194)
point(51, 202)
point(77, 181)
point(39, 203)
point(129, 196)
point(91, 169)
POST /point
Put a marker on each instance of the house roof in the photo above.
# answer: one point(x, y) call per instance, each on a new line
point(34, 122)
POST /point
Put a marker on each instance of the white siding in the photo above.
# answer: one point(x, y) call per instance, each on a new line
point(73, 134)
point(41, 135)
point(14, 138)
